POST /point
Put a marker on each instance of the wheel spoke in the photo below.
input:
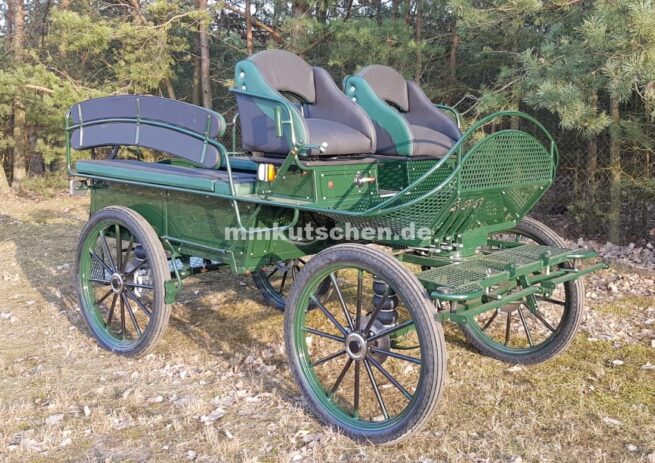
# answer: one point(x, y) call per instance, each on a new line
point(127, 253)
point(131, 314)
point(341, 376)
point(327, 358)
point(376, 390)
point(136, 285)
point(551, 301)
point(390, 377)
point(508, 326)
point(139, 303)
point(122, 318)
point(490, 321)
point(391, 330)
point(356, 390)
point(101, 262)
point(273, 272)
point(131, 272)
point(344, 307)
point(377, 310)
point(111, 310)
point(330, 317)
point(525, 326)
point(324, 335)
point(119, 247)
point(396, 355)
point(97, 280)
point(284, 279)
point(105, 248)
point(102, 299)
point(543, 320)
point(360, 283)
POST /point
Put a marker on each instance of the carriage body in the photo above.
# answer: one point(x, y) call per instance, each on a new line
point(204, 207)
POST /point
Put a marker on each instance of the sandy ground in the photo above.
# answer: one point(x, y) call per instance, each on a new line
point(218, 387)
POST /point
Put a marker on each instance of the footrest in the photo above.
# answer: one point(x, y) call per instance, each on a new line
point(467, 280)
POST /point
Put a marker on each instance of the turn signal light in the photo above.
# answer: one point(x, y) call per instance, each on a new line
point(266, 172)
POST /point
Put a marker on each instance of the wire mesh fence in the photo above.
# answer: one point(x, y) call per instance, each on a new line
point(579, 204)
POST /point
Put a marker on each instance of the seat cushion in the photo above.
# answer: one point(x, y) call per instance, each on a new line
point(168, 175)
point(428, 142)
point(341, 139)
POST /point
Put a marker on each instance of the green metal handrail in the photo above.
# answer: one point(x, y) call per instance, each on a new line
point(453, 111)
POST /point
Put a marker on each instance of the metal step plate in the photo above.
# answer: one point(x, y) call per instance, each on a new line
point(469, 278)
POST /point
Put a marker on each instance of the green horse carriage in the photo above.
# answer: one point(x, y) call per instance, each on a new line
point(433, 222)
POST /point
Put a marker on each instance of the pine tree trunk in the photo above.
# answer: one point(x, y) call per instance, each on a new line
point(249, 42)
point(20, 144)
point(452, 62)
point(299, 8)
point(592, 156)
point(19, 132)
point(4, 183)
point(195, 87)
point(419, 32)
point(615, 172)
point(378, 11)
point(407, 11)
point(394, 10)
point(169, 88)
point(203, 37)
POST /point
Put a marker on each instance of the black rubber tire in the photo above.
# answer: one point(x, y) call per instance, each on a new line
point(571, 320)
point(430, 332)
point(158, 263)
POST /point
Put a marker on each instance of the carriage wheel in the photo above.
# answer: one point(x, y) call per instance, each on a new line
point(374, 382)
point(275, 281)
point(120, 275)
point(532, 330)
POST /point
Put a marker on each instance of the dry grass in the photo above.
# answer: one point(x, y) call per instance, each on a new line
point(64, 399)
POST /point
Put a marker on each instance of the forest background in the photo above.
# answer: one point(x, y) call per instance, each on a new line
point(585, 68)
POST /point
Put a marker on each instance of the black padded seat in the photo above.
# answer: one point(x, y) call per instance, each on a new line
point(324, 116)
point(341, 139)
point(193, 178)
point(429, 131)
point(428, 142)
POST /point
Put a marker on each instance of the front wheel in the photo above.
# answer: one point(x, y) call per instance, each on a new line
point(536, 328)
point(370, 359)
point(120, 273)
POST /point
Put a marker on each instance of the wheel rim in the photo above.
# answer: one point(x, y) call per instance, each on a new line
point(117, 285)
point(530, 324)
point(363, 382)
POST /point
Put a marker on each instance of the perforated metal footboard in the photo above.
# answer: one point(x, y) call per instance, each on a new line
point(468, 279)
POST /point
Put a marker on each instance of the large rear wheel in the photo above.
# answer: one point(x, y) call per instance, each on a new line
point(536, 328)
point(370, 359)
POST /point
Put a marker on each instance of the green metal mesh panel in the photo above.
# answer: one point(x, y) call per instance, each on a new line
point(506, 159)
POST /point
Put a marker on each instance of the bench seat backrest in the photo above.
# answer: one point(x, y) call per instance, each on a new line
point(180, 129)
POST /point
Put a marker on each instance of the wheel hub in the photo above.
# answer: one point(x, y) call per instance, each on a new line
point(116, 282)
point(356, 346)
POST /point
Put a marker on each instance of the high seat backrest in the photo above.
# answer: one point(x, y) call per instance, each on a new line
point(325, 116)
point(286, 72)
point(388, 84)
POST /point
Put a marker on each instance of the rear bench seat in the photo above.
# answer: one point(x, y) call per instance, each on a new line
point(209, 180)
